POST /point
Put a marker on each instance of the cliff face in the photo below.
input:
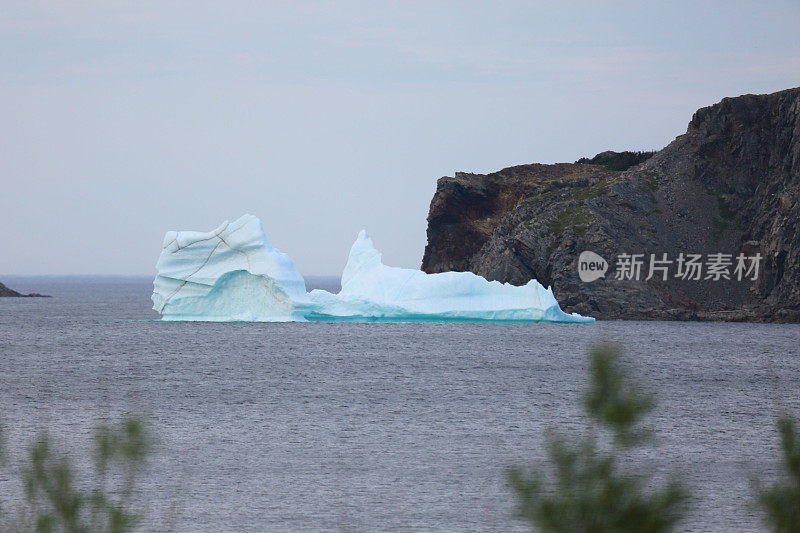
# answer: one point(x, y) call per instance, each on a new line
point(730, 185)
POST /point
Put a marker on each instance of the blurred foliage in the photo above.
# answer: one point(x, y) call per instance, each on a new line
point(615, 401)
point(55, 501)
point(781, 502)
point(584, 488)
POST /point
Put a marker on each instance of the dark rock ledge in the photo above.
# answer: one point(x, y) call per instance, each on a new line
point(5, 292)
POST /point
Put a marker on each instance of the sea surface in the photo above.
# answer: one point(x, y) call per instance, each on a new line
point(374, 427)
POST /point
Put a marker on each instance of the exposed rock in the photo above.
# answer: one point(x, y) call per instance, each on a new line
point(730, 184)
point(10, 293)
point(617, 160)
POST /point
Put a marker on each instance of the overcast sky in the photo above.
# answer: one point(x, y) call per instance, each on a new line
point(122, 120)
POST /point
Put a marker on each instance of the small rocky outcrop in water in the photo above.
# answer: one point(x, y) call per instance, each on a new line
point(730, 184)
point(10, 293)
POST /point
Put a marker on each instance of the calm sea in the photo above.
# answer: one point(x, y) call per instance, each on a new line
point(374, 427)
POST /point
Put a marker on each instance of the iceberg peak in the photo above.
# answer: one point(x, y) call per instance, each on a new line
point(363, 256)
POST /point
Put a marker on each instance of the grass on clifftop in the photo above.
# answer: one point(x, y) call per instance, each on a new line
point(617, 160)
point(577, 216)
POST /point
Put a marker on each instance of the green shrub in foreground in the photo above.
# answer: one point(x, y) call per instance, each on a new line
point(781, 502)
point(54, 501)
point(584, 489)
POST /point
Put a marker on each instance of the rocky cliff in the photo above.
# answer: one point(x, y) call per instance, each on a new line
point(730, 185)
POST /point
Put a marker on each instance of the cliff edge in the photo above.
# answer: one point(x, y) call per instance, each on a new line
point(730, 185)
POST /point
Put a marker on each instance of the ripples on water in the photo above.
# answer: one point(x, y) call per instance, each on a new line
point(376, 426)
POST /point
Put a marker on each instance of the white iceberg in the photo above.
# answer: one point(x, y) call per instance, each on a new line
point(233, 273)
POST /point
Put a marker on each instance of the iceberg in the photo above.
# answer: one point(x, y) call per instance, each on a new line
point(234, 274)
point(231, 273)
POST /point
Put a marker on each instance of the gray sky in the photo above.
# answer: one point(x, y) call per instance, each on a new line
point(122, 120)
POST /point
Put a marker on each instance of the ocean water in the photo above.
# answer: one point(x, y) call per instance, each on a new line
point(375, 427)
